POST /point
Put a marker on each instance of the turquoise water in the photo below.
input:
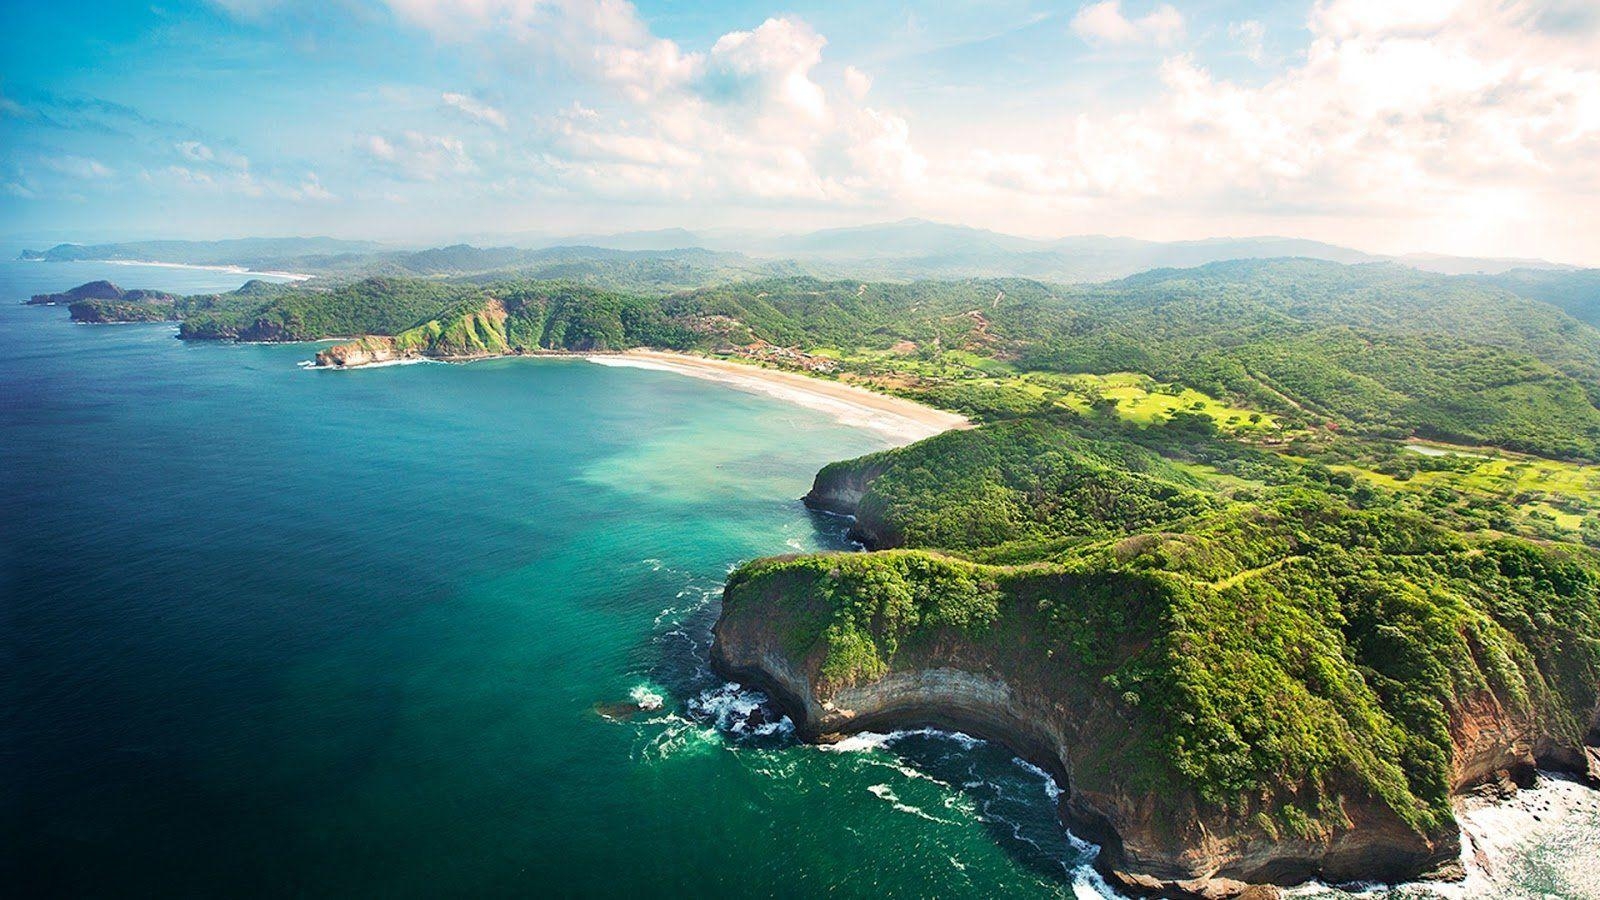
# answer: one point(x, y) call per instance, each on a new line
point(273, 631)
point(270, 631)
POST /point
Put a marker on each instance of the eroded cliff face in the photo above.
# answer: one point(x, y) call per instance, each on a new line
point(363, 352)
point(1166, 843)
point(840, 489)
point(1010, 682)
point(476, 334)
point(94, 290)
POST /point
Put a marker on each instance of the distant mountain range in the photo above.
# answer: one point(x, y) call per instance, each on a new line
point(236, 252)
point(909, 249)
point(938, 249)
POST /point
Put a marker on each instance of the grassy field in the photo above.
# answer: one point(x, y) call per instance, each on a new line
point(1539, 497)
point(1553, 492)
point(1134, 397)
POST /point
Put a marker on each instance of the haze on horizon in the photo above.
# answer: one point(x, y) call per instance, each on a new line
point(1469, 127)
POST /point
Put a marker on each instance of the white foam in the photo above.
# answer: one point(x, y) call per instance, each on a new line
point(411, 361)
point(873, 740)
point(1051, 789)
point(884, 792)
point(646, 698)
point(728, 708)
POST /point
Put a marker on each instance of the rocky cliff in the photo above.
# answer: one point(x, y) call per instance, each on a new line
point(363, 352)
point(94, 290)
point(1149, 695)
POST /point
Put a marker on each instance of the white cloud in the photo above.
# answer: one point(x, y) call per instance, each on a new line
point(235, 182)
point(857, 82)
point(80, 167)
point(746, 119)
point(1251, 36)
point(475, 109)
point(1104, 23)
point(416, 156)
point(602, 39)
point(196, 152)
point(1463, 123)
point(311, 188)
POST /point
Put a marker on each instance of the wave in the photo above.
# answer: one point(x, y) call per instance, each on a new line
point(646, 698)
point(884, 792)
point(739, 712)
point(863, 741)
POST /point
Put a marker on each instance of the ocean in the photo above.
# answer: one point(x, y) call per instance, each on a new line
point(436, 629)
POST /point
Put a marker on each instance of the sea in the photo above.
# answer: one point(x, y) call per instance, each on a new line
point(443, 629)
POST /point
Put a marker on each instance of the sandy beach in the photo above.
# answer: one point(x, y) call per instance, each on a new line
point(903, 421)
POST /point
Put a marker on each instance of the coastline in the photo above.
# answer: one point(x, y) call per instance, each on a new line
point(903, 421)
point(237, 270)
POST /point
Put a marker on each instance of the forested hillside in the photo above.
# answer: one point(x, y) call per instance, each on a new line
point(1373, 349)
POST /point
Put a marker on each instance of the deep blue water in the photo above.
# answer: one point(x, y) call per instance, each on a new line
point(273, 631)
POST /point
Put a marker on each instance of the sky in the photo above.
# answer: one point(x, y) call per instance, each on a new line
point(1456, 126)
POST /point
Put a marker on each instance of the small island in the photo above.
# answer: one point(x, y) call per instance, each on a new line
point(103, 302)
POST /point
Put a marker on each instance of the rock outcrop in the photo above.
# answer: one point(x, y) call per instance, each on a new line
point(363, 352)
point(94, 290)
point(102, 302)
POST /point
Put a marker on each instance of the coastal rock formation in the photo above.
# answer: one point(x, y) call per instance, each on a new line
point(100, 290)
point(94, 290)
point(489, 326)
point(1282, 723)
point(102, 301)
point(363, 352)
point(1004, 689)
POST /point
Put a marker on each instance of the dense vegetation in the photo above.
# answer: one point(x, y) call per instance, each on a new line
point(1293, 636)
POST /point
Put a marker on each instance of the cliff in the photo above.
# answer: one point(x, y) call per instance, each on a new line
point(363, 352)
point(1215, 719)
point(561, 318)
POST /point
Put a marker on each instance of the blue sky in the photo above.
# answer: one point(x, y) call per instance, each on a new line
point(1466, 126)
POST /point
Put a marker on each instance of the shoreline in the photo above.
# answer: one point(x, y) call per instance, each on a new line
point(904, 421)
point(236, 270)
point(900, 420)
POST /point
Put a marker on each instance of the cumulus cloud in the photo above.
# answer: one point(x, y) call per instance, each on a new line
point(415, 156)
point(1104, 23)
point(1473, 112)
point(745, 118)
point(235, 183)
point(602, 39)
point(474, 109)
point(857, 82)
point(1251, 36)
